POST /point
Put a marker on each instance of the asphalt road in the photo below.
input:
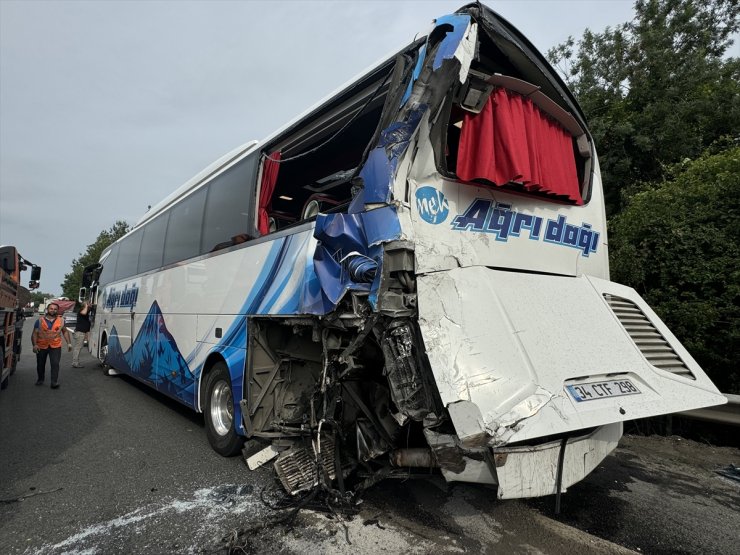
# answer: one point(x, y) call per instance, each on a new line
point(105, 465)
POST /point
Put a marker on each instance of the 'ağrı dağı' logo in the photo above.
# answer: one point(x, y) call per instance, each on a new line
point(432, 205)
point(125, 298)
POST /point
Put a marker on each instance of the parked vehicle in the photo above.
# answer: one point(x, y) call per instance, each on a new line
point(13, 296)
point(70, 320)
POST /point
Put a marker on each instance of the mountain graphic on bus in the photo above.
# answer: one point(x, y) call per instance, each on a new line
point(155, 358)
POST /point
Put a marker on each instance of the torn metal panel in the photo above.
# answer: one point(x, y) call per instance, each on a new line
point(381, 225)
point(459, 43)
point(340, 235)
point(370, 443)
point(415, 74)
point(409, 388)
point(469, 424)
point(262, 457)
point(377, 175)
point(379, 172)
point(531, 471)
point(512, 343)
point(447, 451)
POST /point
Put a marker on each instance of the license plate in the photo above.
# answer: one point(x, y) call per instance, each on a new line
point(601, 390)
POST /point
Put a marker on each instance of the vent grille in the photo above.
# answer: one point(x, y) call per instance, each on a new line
point(296, 468)
point(648, 339)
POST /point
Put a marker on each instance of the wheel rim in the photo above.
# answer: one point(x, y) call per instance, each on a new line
point(221, 408)
point(104, 353)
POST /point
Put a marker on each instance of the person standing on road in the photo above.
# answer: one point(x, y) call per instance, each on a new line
point(82, 328)
point(47, 343)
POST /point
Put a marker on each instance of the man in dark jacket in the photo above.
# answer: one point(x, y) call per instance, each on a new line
point(82, 329)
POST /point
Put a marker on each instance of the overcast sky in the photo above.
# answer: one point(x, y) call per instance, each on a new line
point(108, 106)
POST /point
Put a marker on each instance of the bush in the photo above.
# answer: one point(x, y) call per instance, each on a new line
point(676, 243)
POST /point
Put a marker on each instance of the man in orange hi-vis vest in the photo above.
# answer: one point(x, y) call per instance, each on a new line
point(47, 343)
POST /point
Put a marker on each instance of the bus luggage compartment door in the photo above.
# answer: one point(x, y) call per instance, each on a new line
point(518, 356)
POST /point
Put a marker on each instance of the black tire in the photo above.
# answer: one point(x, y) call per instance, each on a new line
point(104, 357)
point(6, 381)
point(219, 412)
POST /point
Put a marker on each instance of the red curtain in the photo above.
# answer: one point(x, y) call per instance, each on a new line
point(269, 178)
point(512, 140)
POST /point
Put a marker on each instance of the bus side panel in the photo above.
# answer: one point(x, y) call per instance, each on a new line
point(120, 326)
point(175, 376)
point(181, 313)
point(155, 356)
point(271, 277)
point(224, 334)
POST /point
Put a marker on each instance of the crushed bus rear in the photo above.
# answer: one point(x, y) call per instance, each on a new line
point(468, 320)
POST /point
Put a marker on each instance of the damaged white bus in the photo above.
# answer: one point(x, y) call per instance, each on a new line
point(411, 275)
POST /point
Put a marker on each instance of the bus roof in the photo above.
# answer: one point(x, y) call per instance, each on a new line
point(201, 177)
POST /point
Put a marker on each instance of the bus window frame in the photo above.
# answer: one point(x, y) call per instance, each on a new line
point(147, 227)
point(438, 137)
point(113, 253)
point(202, 191)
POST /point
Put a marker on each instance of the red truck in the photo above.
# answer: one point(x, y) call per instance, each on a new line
point(13, 297)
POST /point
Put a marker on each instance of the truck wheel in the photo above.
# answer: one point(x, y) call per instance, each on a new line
point(219, 412)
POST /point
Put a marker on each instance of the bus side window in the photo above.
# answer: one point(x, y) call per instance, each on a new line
point(128, 256)
point(109, 266)
point(184, 228)
point(152, 244)
point(226, 219)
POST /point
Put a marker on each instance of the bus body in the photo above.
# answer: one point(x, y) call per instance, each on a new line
point(413, 273)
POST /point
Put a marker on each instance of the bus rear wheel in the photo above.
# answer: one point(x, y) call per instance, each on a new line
point(107, 370)
point(219, 412)
point(103, 356)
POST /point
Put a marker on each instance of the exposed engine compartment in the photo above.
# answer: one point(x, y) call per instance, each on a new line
point(351, 393)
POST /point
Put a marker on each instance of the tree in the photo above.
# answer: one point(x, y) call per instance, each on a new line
point(678, 243)
point(73, 280)
point(655, 90)
point(37, 297)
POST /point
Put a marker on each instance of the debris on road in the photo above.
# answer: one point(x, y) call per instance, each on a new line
point(26, 496)
point(731, 471)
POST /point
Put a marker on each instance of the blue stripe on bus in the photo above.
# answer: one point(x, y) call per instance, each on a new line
point(267, 277)
point(235, 335)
